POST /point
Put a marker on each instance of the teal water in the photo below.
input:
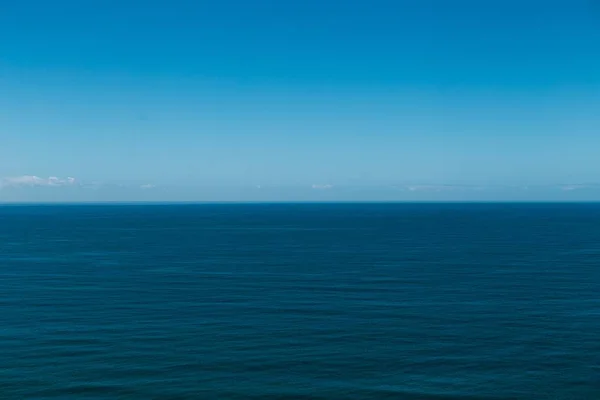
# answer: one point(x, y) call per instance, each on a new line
point(300, 301)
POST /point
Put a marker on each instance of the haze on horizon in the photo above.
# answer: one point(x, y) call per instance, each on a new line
point(299, 100)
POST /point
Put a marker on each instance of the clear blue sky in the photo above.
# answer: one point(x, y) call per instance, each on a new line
point(301, 92)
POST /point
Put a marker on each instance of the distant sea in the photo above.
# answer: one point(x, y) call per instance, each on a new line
point(300, 301)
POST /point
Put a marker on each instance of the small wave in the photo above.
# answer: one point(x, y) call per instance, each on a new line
point(360, 394)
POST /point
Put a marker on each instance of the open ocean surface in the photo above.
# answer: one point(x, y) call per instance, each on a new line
point(300, 301)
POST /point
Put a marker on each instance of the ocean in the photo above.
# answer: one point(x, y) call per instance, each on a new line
point(300, 301)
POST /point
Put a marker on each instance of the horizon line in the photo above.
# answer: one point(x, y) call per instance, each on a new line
point(259, 202)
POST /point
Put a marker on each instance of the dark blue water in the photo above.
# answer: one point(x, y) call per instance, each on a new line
point(313, 301)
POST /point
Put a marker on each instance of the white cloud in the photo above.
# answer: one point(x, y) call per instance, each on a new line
point(322, 187)
point(445, 188)
point(428, 188)
point(573, 187)
point(33, 181)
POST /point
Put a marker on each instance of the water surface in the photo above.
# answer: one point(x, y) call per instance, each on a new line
point(300, 301)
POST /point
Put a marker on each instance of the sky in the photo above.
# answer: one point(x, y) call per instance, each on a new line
point(299, 100)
